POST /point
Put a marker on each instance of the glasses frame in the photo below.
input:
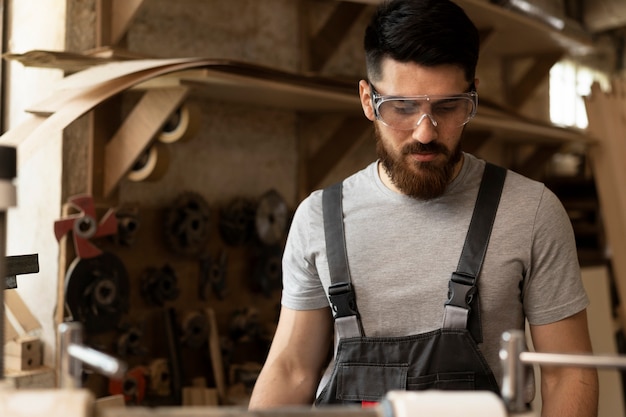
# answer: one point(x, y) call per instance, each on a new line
point(378, 99)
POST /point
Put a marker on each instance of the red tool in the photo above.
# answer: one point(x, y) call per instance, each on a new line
point(132, 386)
point(84, 226)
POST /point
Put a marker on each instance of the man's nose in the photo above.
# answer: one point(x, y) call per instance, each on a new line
point(425, 132)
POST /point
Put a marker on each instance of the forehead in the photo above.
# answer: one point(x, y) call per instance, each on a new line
point(408, 78)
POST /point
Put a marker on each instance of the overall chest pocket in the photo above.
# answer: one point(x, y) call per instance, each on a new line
point(369, 382)
point(442, 381)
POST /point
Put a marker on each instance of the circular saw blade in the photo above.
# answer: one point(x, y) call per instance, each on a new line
point(271, 218)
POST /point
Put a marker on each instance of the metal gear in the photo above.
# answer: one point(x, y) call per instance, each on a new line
point(236, 223)
point(159, 285)
point(96, 291)
point(187, 224)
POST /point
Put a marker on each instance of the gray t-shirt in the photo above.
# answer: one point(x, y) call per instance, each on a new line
point(402, 252)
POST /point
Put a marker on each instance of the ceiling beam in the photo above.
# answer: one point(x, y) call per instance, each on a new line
point(346, 137)
point(326, 41)
point(473, 140)
point(535, 163)
point(113, 19)
point(603, 15)
point(517, 92)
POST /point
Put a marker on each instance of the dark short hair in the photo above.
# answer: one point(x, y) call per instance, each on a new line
point(426, 32)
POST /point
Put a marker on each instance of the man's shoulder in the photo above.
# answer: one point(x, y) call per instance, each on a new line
point(514, 181)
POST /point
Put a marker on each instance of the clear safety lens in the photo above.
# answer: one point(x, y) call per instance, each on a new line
point(406, 113)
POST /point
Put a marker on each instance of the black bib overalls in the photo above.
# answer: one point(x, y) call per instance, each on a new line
point(366, 368)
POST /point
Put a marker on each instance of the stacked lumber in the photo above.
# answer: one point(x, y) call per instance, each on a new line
point(606, 112)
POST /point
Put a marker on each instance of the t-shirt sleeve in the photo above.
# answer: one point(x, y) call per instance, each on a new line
point(302, 288)
point(553, 286)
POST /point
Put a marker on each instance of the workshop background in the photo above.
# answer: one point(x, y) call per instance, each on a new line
point(195, 127)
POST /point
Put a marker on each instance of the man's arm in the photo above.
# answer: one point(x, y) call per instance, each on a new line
point(296, 359)
point(566, 391)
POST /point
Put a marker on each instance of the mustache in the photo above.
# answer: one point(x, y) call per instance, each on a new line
point(430, 147)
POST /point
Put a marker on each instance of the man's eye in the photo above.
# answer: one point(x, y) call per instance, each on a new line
point(405, 107)
point(447, 106)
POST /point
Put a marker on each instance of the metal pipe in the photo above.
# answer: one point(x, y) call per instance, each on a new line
point(562, 359)
point(513, 358)
point(513, 375)
point(72, 354)
point(101, 362)
point(70, 369)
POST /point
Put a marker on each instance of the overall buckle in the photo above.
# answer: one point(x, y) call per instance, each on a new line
point(343, 299)
point(461, 290)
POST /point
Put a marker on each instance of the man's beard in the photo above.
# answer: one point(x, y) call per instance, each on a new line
point(421, 180)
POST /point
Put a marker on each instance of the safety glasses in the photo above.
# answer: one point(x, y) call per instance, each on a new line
point(406, 113)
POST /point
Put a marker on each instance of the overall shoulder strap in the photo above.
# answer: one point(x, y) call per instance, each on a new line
point(340, 293)
point(334, 234)
point(463, 294)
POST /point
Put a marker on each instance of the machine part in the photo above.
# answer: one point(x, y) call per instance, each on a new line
point(129, 343)
point(132, 386)
point(187, 224)
point(194, 329)
point(73, 354)
point(176, 368)
point(268, 269)
point(96, 291)
point(127, 226)
point(516, 363)
point(213, 276)
point(8, 197)
point(19, 265)
point(182, 125)
point(84, 226)
point(159, 377)
point(271, 218)
point(245, 325)
point(11, 283)
point(152, 164)
point(159, 285)
point(245, 374)
point(236, 223)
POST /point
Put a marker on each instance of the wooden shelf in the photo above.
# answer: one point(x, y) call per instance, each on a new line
point(514, 33)
point(519, 34)
point(257, 85)
point(315, 94)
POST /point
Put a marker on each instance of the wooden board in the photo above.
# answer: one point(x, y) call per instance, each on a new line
point(35, 379)
point(115, 74)
point(602, 331)
point(238, 82)
point(608, 126)
point(21, 312)
point(137, 131)
point(67, 109)
point(46, 403)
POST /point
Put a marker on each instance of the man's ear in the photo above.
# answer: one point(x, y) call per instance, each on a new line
point(476, 82)
point(365, 93)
